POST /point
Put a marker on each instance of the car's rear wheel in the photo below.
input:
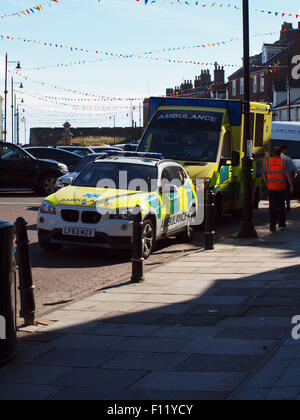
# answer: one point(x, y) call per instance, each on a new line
point(188, 233)
point(46, 185)
point(148, 238)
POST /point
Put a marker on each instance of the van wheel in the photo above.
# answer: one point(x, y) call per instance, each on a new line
point(148, 238)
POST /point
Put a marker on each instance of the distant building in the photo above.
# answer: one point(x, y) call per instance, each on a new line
point(269, 75)
point(202, 87)
point(46, 136)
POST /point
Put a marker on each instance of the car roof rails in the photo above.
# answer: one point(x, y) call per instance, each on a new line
point(116, 153)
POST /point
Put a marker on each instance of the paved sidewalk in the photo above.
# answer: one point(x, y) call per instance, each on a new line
point(213, 325)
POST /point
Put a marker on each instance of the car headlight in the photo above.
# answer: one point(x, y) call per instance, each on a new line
point(63, 167)
point(123, 214)
point(47, 208)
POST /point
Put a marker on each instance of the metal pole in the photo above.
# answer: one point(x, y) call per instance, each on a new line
point(12, 110)
point(18, 126)
point(209, 221)
point(5, 100)
point(15, 119)
point(26, 286)
point(247, 229)
point(137, 248)
point(289, 83)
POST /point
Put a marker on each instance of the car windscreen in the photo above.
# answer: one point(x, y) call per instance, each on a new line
point(184, 135)
point(294, 147)
point(127, 176)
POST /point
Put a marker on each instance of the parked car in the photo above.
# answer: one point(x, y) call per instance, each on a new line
point(68, 158)
point(100, 149)
point(19, 169)
point(68, 178)
point(85, 214)
point(79, 150)
point(128, 147)
point(297, 179)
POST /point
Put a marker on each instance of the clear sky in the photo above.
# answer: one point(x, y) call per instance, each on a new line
point(120, 27)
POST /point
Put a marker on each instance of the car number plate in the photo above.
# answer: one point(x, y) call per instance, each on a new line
point(86, 233)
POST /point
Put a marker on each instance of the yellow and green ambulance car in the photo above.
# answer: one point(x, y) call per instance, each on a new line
point(206, 136)
point(98, 208)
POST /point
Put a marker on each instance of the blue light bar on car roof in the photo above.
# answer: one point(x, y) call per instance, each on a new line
point(145, 155)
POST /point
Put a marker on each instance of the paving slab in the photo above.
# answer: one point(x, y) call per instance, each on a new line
point(86, 342)
point(227, 346)
point(189, 381)
point(252, 333)
point(220, 363)
point(71, 357)
point(108, 379)
point(146, 361)
point(25, 392)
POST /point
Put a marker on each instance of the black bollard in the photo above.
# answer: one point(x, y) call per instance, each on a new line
point(8, 328)
point(209, 220)
point(137, 248)
point(26, 286)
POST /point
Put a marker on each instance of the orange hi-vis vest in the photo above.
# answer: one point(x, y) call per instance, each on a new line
point(276, 171)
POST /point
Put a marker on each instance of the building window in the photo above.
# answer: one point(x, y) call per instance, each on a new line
point(234, 88)
point(262, 83)
point(255, 84)
point(242, 86)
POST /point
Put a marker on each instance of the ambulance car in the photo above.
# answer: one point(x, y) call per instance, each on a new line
point(98, 208)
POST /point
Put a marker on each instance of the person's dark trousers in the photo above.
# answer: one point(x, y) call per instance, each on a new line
point(288, 196)
point(277, 209)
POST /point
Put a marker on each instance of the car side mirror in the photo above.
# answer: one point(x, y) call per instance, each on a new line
point(68, 181)
point(235, 158)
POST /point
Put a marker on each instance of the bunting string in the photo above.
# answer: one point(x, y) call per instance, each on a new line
point(223, 5)
point(32, 10)
point(57, 45)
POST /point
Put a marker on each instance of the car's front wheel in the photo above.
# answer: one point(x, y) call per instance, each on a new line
point(47, 246)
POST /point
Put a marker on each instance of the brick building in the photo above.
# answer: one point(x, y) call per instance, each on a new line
point(203, 85)
point(269, 71)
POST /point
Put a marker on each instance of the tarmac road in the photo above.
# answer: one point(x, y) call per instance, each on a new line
point(74, 272)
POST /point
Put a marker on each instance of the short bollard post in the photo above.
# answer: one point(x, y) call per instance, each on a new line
point(26, 286)
point(209, 221)
point(137, 248)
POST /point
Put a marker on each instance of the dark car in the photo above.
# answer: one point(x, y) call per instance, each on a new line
point(68, 158)
point(70, 176)
point(101, 149)
point(128, 147)
point(19, 169)
point(297, 179)
point(79, 150)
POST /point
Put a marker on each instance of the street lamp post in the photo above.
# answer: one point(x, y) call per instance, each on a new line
point(247, 229)
point(6, 93)
point(13, 106)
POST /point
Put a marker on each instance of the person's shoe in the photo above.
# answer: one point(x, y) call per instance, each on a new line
point(272, 229)
point(283, 227)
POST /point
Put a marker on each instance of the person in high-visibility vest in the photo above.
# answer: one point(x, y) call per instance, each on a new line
point(277, 177)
